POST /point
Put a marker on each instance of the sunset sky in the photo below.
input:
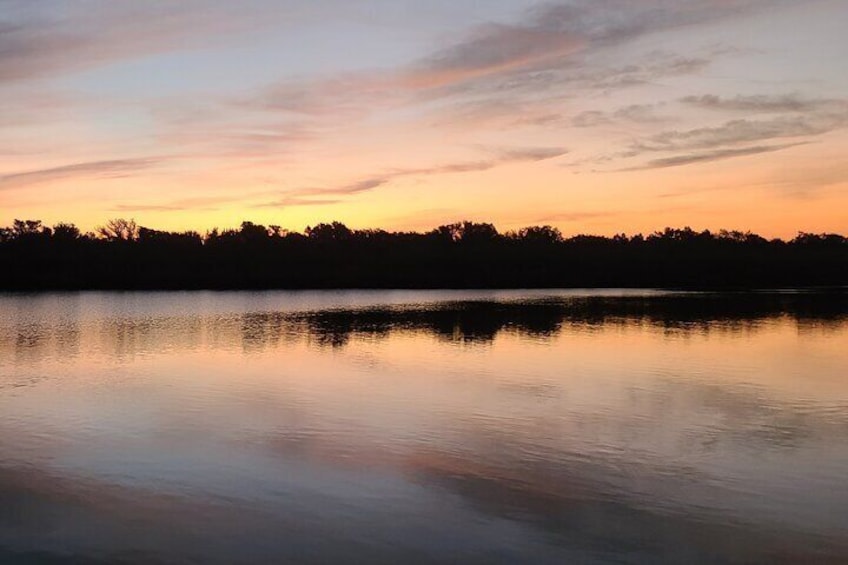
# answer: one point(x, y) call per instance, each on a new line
point(596, 116)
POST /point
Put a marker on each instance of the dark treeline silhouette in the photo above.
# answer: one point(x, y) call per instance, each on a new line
point(124, 255)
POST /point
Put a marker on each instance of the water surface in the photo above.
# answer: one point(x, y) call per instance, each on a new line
point(423, 427)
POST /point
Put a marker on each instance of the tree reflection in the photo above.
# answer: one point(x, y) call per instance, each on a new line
point(468, 322)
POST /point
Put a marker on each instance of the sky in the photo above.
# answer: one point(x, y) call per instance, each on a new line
point(594, 116)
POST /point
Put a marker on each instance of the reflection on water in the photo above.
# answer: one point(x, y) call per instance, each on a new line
point(385, 427)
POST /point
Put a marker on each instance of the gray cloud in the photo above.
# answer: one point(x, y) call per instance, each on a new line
point(584, 27)
point(797, 117)
point(98, 169)
point(590, 119)
point(532, 93)
point(502, 156)
point(762, 103)
point(556, 29)
point(547, 49)
point(656, 67)
point(742, 131)
point(640, 113)
point(55, 36)
point(330, 195)
point(532, 153)
point(635, 113)
point(493, 48)
point(356, 187)
point(609, 22)
point(715, 155)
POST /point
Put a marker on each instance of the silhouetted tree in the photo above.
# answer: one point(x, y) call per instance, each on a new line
point(119, 229)
point(540, 234)
point(66, 232)
point(459, 255)
point(253, 232)
point(335, 231)
point(24, 228)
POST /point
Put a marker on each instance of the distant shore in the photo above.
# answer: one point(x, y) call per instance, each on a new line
point(464, 255)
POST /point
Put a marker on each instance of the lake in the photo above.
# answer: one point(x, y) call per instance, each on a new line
point(424, 427)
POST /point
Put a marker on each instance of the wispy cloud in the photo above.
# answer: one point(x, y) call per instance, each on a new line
point(494, 71)
point(531, 153)
point(50, 37)
point(742, 131)
point(559, 65)
point(296, 201)
point(356, 187)
point(95, 169)
point(206, 138)
point(209, 203)
point(146, 208)
point(715, 155)
point(492, 49)
point(501, 157)
point(556, 31)
point(792, 117)
point(590, 119)
point(198, 203)
point(633, 113)
point(566, 217)
point(763, 103)
point(641, 113)
point(549, 48)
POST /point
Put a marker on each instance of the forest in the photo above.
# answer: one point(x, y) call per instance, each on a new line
point(124, 255)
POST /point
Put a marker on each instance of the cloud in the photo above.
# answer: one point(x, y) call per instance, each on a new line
point(492, 49)
point(635, 113)
point(51, 37)
point(535, 94)
point(612, 22)
point(501, 157)
point(358, 186)
point(199, 203)
point(207, 203)
point(293, 201)
point(762, 103)
point(742, 131)
point(590, 119)
point(97, 169)
point(560, 217)
point(532, 153)
point(549, 48)
point(640, 113)
point(146, 208)
point(554, 51)
point(655, 67)
point(235, 140)
point(795, 117)
point(715, 155)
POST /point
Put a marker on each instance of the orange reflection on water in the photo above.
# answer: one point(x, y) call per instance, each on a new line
point(577, 415)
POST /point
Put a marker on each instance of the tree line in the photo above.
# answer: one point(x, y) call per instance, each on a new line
point(124, 255)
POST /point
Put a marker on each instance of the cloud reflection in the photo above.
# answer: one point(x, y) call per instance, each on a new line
point(239, 428)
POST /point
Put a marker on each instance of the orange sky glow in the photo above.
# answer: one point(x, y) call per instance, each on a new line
point(594, 117)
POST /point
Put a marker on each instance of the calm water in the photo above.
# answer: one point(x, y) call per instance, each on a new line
point(416, 427)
